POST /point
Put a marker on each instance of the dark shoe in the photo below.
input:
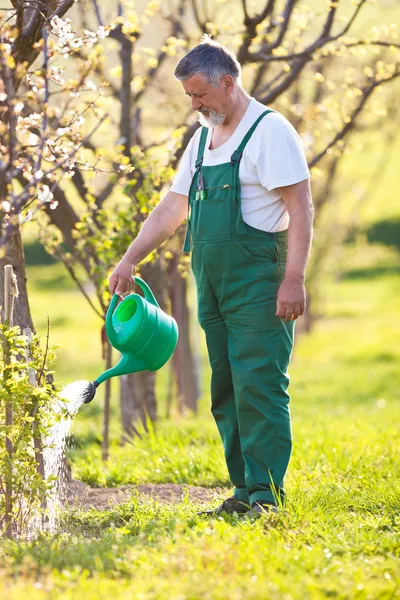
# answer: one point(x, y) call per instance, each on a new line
point(230, 505)
point(260, 509)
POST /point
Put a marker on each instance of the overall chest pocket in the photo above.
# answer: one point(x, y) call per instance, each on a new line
point(211, 214)
point(216, 193)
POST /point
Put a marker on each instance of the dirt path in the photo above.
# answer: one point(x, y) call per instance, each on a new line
point(80, 495)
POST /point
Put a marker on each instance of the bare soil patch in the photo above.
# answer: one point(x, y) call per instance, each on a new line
point(78, 494)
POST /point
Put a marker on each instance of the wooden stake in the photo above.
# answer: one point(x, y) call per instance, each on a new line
point(31, 372)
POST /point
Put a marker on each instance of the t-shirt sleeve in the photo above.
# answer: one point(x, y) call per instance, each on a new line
point(184, 175)
point(281, 160)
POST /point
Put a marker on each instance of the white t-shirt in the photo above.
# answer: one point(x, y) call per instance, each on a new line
point(273, 157)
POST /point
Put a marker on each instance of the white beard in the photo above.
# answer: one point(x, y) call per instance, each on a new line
point(213, 119)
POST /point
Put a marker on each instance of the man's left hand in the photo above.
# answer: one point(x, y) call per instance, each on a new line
point(291, 301)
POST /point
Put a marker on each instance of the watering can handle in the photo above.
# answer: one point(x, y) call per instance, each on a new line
point(148, 294)
point(110, 312)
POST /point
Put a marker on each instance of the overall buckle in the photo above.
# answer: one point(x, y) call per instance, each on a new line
point(236, 156)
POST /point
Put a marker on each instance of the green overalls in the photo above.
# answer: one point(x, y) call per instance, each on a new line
point(238, 270)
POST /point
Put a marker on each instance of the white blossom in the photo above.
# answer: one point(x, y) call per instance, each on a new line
point(44, 194)
point(62, 29)
point(55, 73)
point(33, 139)
point(90, 85)
point(5, 205)
point(67, 38)
point(102, 33)
point(62, 130)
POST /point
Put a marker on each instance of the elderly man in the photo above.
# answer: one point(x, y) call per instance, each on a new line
point(243, 183)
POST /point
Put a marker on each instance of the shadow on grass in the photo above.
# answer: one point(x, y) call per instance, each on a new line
point(385, 233)
point(381, 357)
point(371, 272)
point(36, 255)
point(61, 281)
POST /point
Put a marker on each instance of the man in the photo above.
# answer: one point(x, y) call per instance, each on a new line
point(245, 181)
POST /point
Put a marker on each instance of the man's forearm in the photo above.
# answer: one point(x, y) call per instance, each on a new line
point(160, 224)
point(299, 244)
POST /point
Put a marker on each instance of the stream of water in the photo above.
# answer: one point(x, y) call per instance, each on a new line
point(71, 399)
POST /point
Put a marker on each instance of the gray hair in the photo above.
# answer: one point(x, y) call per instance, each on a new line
point(211, 60)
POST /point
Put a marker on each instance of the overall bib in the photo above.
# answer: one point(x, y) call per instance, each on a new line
point(238, 270)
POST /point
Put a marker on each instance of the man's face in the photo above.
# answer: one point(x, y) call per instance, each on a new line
point(210, 102)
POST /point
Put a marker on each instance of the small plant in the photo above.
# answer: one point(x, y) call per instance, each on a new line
point(27, 413)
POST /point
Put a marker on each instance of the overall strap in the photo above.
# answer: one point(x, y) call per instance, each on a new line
point(202, 146)
point(235, 162)
point(198, 165)
point(237, 155)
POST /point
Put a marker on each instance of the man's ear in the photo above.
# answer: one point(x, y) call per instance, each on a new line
point(228, 83)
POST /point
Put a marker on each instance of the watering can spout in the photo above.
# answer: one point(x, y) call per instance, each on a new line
point(128, 364)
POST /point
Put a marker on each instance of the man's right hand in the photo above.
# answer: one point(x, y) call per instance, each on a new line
point(121, 277)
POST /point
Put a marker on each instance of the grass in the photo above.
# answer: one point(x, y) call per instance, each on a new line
point(339, 536)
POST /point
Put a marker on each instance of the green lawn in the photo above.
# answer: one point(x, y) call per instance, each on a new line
point(339, 536)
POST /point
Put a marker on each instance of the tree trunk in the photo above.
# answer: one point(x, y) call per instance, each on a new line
point(137, 391)
point(14, 255)
point(138, 402)
point(183, 360)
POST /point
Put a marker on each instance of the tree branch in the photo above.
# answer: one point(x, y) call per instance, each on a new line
point(71, 271)
point(287, 13)
point(350, 125)
point(176, 28)
point(330, 19)
point(200, 23)
point(347, 27)
point(98, 14)
point(296, 69)
point(372, 43)
point(323, 39)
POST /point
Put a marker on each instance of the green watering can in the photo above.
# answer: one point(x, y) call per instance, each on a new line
point(144, 334)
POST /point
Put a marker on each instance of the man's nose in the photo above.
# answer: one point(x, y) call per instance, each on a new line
point(196, 103)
